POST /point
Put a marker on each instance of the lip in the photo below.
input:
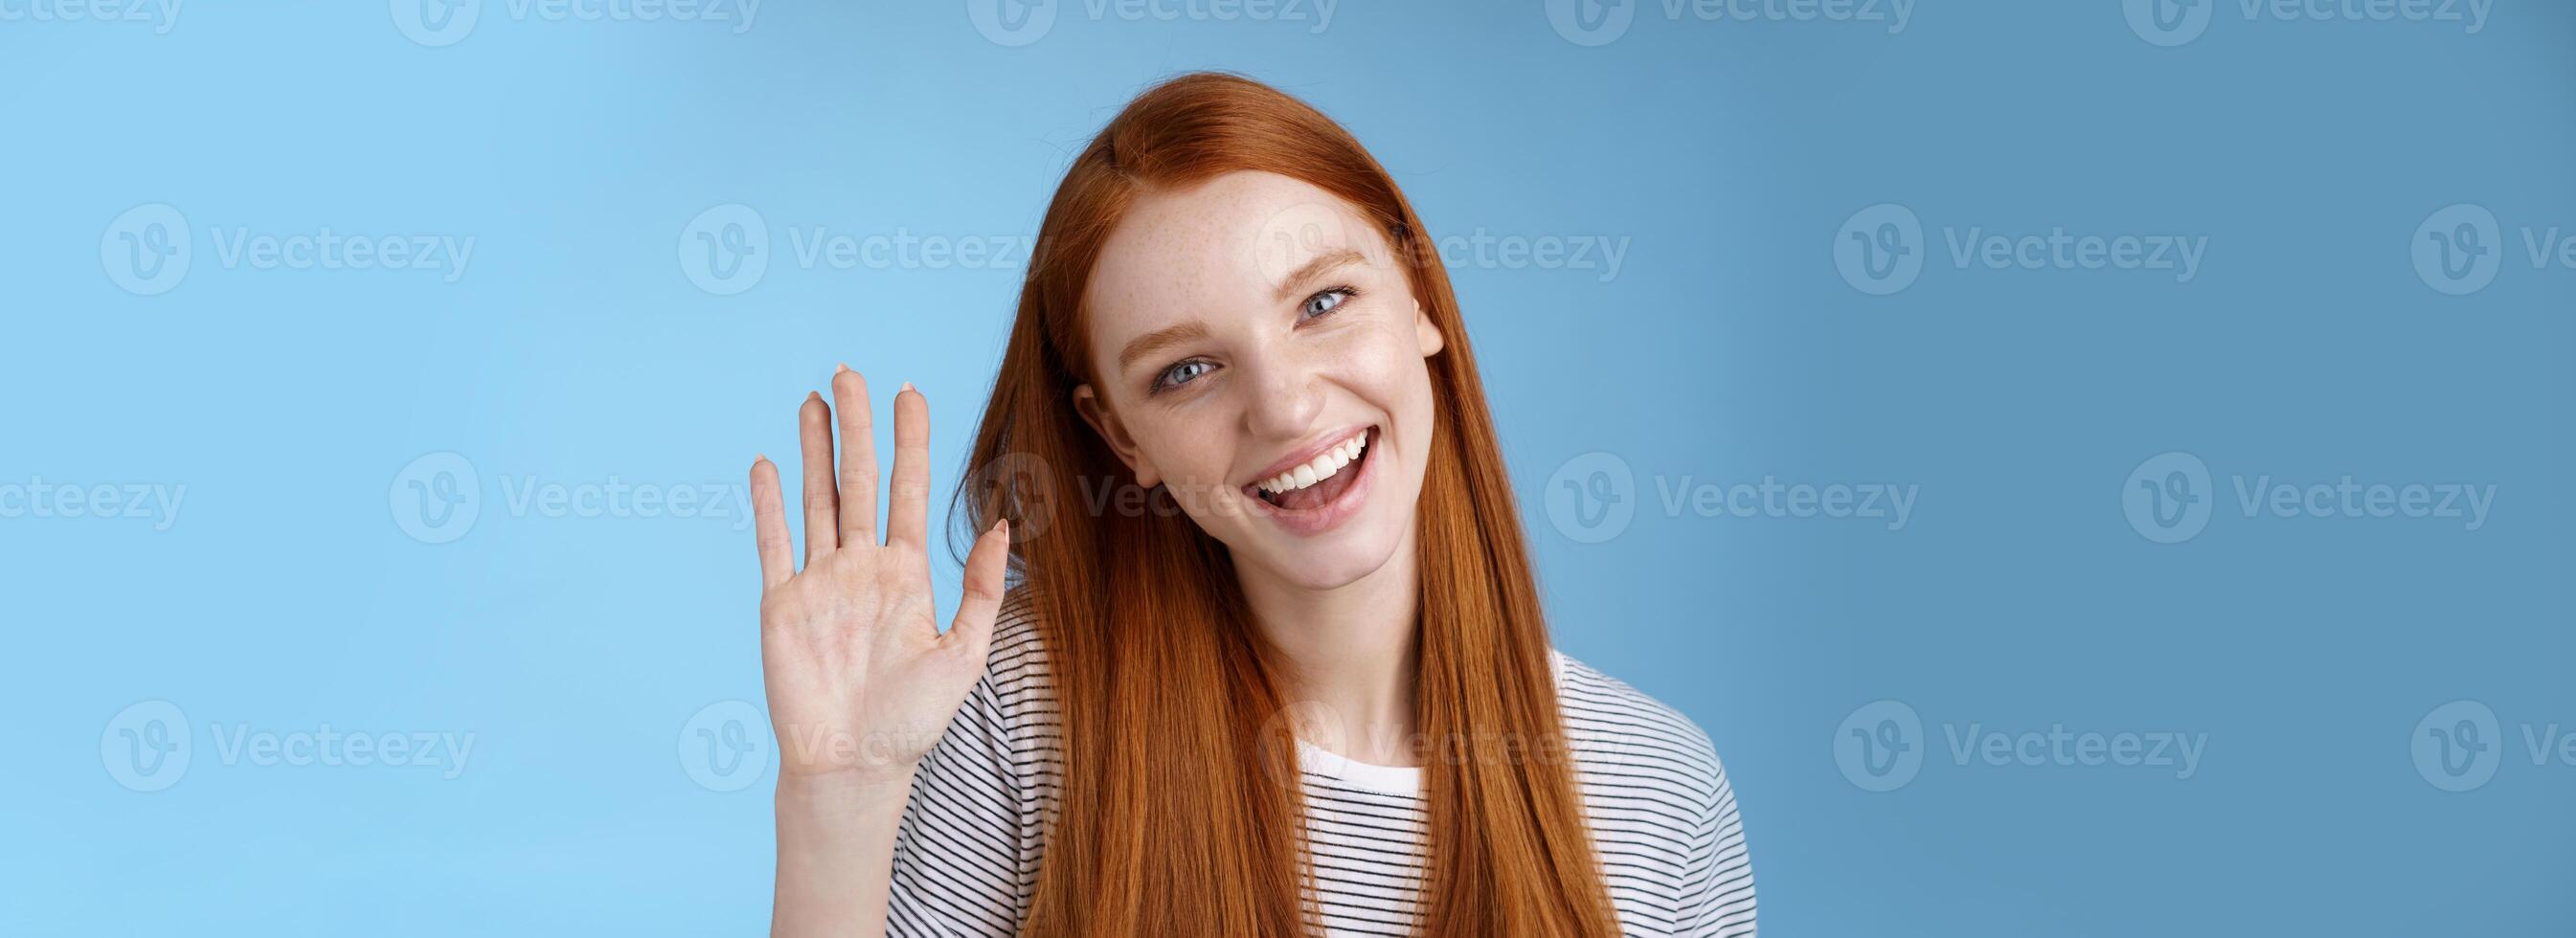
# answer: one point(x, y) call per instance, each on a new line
point(1317, 520)
point(1306, 454)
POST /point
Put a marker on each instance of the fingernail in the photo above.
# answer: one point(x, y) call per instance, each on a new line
point(906, 387)
point(845, 366)
point(813, 395)
point(758, 458)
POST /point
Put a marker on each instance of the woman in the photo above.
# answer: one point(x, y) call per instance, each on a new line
point(1266, 656)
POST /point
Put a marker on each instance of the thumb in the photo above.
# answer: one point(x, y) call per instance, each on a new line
point(970, 634)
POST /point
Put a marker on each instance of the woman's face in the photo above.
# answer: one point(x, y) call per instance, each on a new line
point(1260, 354)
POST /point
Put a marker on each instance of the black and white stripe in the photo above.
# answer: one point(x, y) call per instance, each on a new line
point(1663, 819)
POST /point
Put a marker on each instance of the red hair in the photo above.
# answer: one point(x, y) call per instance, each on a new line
point(1174, 816)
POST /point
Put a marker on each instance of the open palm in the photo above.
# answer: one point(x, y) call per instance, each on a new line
point(859, 677)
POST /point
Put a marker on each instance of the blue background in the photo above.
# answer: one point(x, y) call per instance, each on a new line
point(286, 593)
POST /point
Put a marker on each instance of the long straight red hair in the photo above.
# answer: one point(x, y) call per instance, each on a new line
point(1176, 817)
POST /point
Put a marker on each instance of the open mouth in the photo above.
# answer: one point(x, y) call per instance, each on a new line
point(1320, 481)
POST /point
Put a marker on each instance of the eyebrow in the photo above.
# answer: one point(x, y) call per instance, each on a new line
point(1322, 262)
point(1160, 339)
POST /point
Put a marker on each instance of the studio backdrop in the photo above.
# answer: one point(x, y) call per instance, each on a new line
point(2093, 468)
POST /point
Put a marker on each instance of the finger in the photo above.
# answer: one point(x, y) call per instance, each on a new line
point(822, 508)
point(971, 633)
point(908, 498)
point(769, 514)
point(858, 458)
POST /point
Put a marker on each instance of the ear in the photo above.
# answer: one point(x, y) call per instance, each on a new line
point(1095, 411)
point(1425, 334)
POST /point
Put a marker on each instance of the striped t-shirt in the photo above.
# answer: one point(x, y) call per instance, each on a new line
point(1662, 818)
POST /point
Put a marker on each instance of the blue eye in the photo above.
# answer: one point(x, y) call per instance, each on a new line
point(1182, 373)
point(1324, 302)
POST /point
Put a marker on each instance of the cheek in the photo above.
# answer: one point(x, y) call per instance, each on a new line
point(1189, 445)
point(1390, 370)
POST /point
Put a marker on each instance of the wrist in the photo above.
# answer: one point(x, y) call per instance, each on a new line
point(844, 795)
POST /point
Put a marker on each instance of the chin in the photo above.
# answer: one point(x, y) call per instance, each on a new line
point(1332, 562)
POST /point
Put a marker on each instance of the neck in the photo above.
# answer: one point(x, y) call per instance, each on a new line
point(1349, 673)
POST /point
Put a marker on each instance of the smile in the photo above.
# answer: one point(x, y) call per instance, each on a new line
point(1318, 492)
point(1324, 466)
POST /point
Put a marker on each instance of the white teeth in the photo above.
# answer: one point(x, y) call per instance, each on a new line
point(1323, 466)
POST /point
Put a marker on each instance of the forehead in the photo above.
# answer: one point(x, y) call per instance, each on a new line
point(1215, 250)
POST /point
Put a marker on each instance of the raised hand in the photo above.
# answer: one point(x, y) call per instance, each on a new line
point(860, 680)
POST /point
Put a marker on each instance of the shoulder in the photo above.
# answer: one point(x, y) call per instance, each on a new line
point(1618, 729)
point(1015, 668)
point(1017, 655)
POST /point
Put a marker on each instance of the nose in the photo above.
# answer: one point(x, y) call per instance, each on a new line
point(1287, 398)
